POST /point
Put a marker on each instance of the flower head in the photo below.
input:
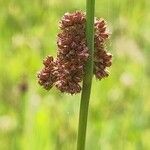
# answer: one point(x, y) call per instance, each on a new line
point(66, 71)
point(102, 59)
point(46, 75)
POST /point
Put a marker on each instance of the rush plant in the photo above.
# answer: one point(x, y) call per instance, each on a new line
point(81, 53)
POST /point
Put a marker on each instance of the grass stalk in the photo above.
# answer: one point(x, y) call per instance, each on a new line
point(88, 74)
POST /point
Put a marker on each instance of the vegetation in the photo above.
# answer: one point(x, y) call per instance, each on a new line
point(33, 119)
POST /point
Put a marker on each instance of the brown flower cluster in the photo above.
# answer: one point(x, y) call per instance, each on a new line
point(46, 76)
point(66, 71)
point(102, 59)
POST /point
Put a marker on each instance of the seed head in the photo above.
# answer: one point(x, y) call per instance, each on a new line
point(72, 52)
point(102, 59)
point(67, 70)
point(46, 75)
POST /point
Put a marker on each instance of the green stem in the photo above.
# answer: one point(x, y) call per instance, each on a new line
point(88, 74)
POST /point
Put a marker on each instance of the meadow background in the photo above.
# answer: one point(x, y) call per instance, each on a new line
point(34, 119)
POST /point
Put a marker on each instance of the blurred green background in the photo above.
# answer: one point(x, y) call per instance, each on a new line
point(34, 119)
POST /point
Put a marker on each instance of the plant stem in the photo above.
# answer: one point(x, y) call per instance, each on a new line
point(88, 74)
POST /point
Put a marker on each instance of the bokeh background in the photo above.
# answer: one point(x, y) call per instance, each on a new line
point(34, 119)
